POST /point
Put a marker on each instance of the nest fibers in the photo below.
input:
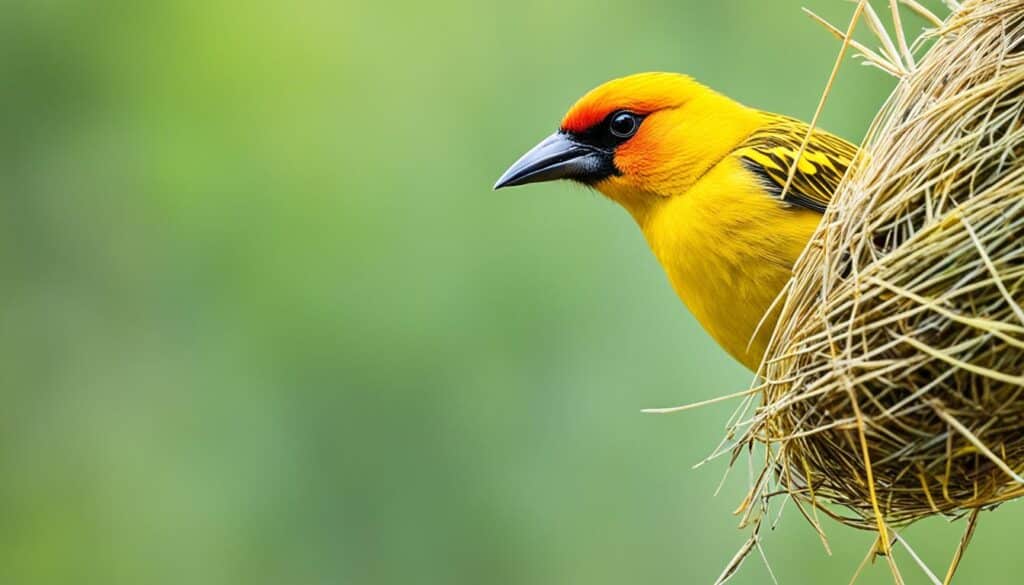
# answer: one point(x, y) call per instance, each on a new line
point(895, 381)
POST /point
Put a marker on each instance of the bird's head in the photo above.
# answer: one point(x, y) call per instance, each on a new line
point(638, 139)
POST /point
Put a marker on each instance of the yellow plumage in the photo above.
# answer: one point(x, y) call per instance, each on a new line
point(703, 177)
point(728, 250)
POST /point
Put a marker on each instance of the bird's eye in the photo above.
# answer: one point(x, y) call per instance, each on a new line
point(623, 124)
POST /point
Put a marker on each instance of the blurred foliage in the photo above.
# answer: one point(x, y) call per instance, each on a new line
point(265, 322)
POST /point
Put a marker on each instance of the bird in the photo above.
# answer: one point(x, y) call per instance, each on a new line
point(705, 178)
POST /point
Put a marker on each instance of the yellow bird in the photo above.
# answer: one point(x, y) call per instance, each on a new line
point(703, 177)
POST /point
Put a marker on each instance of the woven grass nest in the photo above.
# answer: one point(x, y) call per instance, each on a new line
point(894, 385)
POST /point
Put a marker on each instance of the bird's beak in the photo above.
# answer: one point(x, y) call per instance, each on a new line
point(557, 157)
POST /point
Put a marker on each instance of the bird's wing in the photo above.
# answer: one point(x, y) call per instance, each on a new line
point(769, 153)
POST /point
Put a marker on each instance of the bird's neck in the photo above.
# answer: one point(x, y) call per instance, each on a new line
point(691, 140)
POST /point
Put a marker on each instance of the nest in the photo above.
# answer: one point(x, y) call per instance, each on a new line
point(894, 385)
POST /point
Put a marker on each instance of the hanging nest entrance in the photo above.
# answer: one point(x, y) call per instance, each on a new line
point(894, 385)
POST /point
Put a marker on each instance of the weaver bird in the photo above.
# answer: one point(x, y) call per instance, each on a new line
point(703, 176)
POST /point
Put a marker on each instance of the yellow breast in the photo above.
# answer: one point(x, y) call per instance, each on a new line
point(728, 248)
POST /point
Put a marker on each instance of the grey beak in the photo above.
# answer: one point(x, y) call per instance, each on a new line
point(557, 157)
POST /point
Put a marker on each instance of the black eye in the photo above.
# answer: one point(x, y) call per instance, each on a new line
point(623, 124)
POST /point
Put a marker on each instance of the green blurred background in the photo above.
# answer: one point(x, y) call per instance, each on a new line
point(265, 322)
